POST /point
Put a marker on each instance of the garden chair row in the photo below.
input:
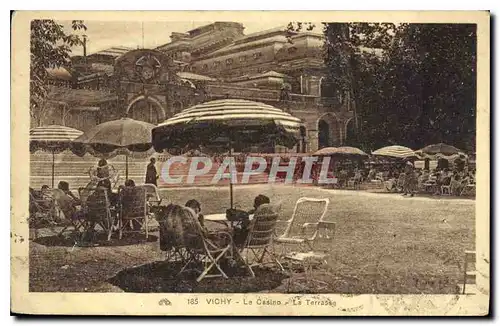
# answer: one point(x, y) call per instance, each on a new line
point(259, 247)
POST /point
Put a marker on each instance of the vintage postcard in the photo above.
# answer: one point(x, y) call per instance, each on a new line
point(250, 163)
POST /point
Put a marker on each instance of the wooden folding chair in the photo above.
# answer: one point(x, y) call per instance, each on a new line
point(301, 230)
point(41, 213)
point(259, 241)
point(133, 207)
point(202, 249)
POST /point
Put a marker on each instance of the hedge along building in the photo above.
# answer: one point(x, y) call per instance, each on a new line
point(278, 67)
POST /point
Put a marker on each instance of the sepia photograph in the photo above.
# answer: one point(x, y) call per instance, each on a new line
point(268, 165)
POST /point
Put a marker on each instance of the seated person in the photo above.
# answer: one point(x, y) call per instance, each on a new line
point(97, 196)
point(102, 171)
point(113, 197)
point(37, 204)
point(259, 200)
point(372, 174)
point(433, 177)
point(401, 180)
point(43, 197)
point(64, 186)
point(241, 230)
point(196, 207)
point(179, 227)
point(358, 176)
point(45, 193)
point(128, 184)
point(136, 226)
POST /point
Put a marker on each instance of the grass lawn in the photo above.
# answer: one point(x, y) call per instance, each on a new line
point(384, 243)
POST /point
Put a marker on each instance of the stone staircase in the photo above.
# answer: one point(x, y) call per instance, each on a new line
point(75, 170)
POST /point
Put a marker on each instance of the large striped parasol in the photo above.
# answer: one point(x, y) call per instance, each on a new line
point(395, 151)
point(230, 123)
point(239, 122)
point(53, 138)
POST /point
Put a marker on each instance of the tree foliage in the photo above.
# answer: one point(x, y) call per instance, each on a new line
point(413, 84)
point(50, 47)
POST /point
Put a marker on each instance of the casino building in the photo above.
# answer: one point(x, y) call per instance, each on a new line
point(276, 66)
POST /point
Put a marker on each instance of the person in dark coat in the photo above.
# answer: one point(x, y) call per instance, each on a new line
point(151, 174)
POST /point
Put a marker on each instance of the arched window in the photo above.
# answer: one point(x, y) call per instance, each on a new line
point(146, 109)
point(327, 88)
point(329, 131)
point(177, 106)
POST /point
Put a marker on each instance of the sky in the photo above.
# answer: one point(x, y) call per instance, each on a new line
point(103, 35)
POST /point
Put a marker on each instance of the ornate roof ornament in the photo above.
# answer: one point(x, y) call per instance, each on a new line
point(148, 67)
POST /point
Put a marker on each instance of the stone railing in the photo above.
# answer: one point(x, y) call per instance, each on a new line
point(217, 91)
point(224, 91)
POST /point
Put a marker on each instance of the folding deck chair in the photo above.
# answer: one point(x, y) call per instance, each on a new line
point(468, 189)
point(133, 207)
point(300, 230)
point(259, 241)
point(41, 213)
point(202, 249)
point(74, 220)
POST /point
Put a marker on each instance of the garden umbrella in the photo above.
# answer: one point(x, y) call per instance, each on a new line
point(340, 151)
point(228, 122)
point(123, 136)
point(440, 150)
point(395, 151)
point(53, 138)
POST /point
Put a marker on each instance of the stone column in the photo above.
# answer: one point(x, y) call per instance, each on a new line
point(312, 141)
point(342, 132)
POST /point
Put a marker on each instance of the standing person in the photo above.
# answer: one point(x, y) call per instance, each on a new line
point(410, 183)
point(151, 174)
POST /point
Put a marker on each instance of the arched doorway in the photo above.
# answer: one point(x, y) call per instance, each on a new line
point(146, 109)
point(350, 132)
point(329, 131)
point(323, 134)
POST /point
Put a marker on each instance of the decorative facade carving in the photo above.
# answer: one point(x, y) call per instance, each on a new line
point(216, 61)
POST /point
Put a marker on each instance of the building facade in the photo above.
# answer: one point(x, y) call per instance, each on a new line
point(277, 67)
